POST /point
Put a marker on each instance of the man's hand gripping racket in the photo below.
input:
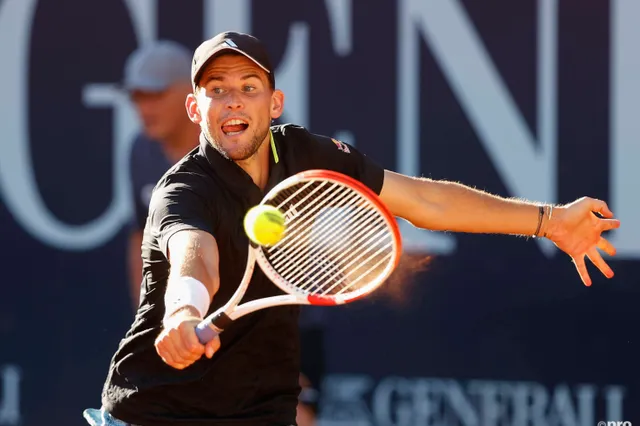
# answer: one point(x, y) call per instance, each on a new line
point(340, 244)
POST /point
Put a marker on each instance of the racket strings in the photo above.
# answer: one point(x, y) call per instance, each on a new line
point(347, 252)
point(355, 265)
point(303, 218)
point(361, 263)
point(336, 241)
point(362, 277)
point(282, 258)
point(324, 230)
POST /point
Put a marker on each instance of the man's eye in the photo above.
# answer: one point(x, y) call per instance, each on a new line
point(217, 90)
point(249, 88)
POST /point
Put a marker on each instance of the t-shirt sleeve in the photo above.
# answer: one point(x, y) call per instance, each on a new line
point(332, 154)
point(179, 206)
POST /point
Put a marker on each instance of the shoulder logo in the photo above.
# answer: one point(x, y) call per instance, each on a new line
point(341, 146)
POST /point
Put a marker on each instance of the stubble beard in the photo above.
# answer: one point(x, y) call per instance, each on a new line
point(247, 152)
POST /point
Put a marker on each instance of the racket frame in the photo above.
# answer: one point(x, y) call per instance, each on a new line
point(215, 323)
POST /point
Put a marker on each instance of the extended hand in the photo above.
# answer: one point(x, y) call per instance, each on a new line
point(576, 230)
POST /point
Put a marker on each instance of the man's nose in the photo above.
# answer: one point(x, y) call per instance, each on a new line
point(234, 100)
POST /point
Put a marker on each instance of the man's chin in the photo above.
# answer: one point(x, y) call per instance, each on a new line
point(239, 155)
point(233, 153)
point(238, 147)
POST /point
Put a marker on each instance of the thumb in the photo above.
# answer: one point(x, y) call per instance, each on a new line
point(212, 346)
point(601, 207)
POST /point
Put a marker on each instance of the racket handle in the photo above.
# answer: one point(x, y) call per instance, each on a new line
point(211, 326)
point(206, 332)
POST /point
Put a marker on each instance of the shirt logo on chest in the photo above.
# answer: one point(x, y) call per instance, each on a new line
point(341, 146)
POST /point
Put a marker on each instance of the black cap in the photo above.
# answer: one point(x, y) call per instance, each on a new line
point(244, 44)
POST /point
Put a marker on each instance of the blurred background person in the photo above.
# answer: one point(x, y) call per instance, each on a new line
point(157, 78)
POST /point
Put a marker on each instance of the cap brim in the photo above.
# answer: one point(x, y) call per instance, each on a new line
point(221, 49)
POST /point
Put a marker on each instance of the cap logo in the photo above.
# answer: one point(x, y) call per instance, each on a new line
point(230, 43)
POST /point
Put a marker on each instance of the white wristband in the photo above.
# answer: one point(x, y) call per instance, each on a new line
point(186, 291)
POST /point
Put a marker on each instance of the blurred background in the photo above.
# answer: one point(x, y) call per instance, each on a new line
point(533, 99)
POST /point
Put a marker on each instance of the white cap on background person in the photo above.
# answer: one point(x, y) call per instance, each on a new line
point(156, 66)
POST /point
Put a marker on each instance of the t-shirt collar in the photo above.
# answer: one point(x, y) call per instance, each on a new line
point(229, 171)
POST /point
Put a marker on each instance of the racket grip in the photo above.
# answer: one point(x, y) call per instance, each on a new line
point(206, 332)
point(210, 327)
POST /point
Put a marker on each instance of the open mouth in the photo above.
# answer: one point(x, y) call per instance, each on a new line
point(234, 126)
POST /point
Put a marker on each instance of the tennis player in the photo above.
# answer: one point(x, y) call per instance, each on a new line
point(194, 250)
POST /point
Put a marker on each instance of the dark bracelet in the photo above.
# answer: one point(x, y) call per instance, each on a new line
point(549, 218)
point(540, 216)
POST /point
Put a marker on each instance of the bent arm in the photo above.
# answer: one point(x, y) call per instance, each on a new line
point(450, 206)
point(193, 254)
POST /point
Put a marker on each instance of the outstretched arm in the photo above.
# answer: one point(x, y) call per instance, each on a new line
point(449, 206)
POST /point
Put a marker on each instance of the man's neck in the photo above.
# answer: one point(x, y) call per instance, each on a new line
point(177, 146)
point(258, 165)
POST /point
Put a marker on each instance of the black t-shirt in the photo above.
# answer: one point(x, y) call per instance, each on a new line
point(253, 378)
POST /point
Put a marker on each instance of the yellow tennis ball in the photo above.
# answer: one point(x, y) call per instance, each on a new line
point(264, 225)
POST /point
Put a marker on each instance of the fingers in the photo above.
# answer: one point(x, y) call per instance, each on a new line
point(192, 348)
point(582, 270)
point(609, 224)
point(212, 347)
point(597, 260)
point(179, 346)
point(600, 207)
point(171, 355)
point(166, 351)
point(606, 247)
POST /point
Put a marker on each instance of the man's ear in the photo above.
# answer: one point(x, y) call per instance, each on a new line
point(193, 111)
point(277, 104)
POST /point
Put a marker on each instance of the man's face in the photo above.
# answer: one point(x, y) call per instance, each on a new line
point(161, 113)
point(236, 105)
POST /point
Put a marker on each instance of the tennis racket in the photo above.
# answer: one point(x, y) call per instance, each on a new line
point(340, 244)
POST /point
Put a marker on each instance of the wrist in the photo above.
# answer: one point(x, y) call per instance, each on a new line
point(182, 314)
point(547, 221)
point(186, 294)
